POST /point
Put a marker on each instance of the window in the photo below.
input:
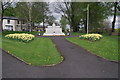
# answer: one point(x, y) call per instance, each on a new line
point(18, 22)
point(8, 21)
point(9, 27)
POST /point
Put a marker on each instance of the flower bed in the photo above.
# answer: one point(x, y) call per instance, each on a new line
point(91, 37)
point(21, 37)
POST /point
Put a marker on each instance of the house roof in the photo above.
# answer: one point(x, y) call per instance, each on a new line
point(12, 18)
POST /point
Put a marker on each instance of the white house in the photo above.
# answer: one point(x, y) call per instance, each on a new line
point(13, 24)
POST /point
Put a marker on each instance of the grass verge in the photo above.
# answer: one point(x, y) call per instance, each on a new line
point(107, 47)
point(40, 51)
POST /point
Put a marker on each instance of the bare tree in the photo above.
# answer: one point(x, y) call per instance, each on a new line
point(115, 13)
point(3, 5)
point(64, 8)
point(67, 8)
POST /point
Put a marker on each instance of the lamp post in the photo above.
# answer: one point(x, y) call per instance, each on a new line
point(87, 17)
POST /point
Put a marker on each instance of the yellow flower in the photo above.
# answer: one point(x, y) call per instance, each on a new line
point(22, 36)
point(92, 37)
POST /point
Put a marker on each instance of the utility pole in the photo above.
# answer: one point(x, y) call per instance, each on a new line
point(87, 17)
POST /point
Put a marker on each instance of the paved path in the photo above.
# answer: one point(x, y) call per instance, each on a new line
point(78, 63)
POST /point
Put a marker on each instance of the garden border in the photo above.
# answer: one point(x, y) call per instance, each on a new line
point(51, 65)
point(93, 53)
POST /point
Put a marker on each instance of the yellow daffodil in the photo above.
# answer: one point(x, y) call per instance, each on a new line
point(91, 37)
point(23, 36)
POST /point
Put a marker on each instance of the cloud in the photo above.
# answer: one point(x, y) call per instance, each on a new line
point(51, 7)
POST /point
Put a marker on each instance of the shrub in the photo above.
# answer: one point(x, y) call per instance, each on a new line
point(21, 37)
point(91, 37)
point(117, 30)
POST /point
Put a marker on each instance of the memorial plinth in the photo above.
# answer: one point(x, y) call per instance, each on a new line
point(53, 31)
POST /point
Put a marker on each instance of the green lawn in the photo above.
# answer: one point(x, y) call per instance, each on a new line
point(40, 51)
point(76, 33)
point(107, 47)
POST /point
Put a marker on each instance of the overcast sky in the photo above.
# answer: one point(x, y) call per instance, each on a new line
point(56, 15)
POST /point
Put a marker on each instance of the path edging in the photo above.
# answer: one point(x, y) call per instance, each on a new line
point(21, 60)
point(92, 53)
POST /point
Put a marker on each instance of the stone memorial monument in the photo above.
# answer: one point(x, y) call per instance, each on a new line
point(53, 31)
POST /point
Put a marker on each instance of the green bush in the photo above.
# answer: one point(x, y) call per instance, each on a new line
point(117, 30)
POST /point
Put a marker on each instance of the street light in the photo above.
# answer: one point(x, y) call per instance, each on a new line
point(87, 17)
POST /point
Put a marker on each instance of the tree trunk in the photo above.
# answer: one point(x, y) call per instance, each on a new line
point(73, 24)
point(114, 18)
point(75, 28)
point(43, 16)
point(43, 24)
point(1, 17)
point(72, 19)
point(85, 25)
point(30, 16)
